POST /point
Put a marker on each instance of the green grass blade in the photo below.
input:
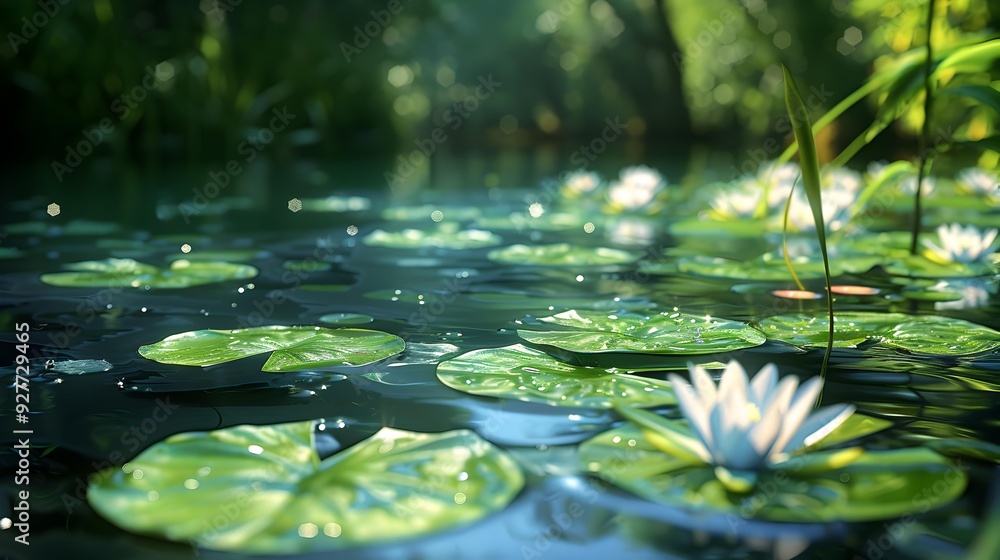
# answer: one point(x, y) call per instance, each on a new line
point(809, 162)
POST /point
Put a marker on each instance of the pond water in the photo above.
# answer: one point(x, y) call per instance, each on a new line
point(444, 302)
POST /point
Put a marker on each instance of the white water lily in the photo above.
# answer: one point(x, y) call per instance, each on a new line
point(962, 245)
point(778, 180)
point(909, 185)
point(579, 182)
point(980, 182)
point(737, 203)
point(747, 425)
point(636, 187)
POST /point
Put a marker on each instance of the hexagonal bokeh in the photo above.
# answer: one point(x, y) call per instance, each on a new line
point(852, 36)
point(295, 205)
point(53, 209)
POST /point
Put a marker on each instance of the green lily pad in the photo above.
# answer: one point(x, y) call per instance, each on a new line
point(770, 267)
point(561, 254)
point(336, 204)
point(116, 273)
point(519, 372)
point(233, 255)
point(662, 333)
point(924, 334)
point(346, 319)
point(263, 489)
point(812, 487)
point(294, 348)
point(443, 238)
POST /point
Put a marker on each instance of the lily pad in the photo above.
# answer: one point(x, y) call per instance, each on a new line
point(263, 489)
point(78, 367)
point(923, 334)
point(116, 273)
point(443, 238)
point(561, 254)
point(294, 348)
point(719, 228)
point(812, 487)
point(527, 374)
point(770, 267)
point(662, 333)
point(346, 319)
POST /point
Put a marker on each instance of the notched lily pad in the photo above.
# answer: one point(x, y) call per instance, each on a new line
point(923, 334)
point(817, 486)
point(264, 490)
point(527, 374)
point(662, 333)
point(294, 348)
point(117, 273)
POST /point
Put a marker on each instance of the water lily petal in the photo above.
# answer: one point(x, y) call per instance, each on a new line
point(692, 408)
point(730, 441)
point(763, 384)
point(781, 397)
point(801, 404)
point(703, 384)
point(819, 425)
point(732, 398)
point(762, 436)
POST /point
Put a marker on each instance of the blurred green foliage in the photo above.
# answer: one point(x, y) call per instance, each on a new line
point(372, 76)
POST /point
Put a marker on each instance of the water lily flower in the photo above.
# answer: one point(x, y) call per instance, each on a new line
point(778, 180)
point(746, 425)
point(579, 182)
point(636, 187)
point(961, 245)
point(981, 182)
point(975, 293)
point(737, 203)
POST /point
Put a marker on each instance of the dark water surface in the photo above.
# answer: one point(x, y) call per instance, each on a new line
point(96, 419)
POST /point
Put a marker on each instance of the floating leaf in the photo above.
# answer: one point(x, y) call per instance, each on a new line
point(771, 267)
point(346, 319)
point(662, 333)
point(78, 367)
point(263, 489)
point(519, 372)
point(116, 273)
point(425, 212)
point(443, 238)
point(924, 334)
point(294, 348)
point(812, 487)
point(561, 254)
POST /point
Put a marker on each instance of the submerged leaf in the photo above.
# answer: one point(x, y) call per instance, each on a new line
point(662, 333)
point(294, 348)
point(263, 489)
point(519, 372)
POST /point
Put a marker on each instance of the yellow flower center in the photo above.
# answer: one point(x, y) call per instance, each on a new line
point(753, 412)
